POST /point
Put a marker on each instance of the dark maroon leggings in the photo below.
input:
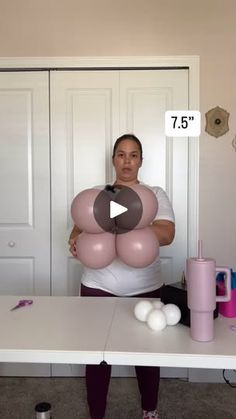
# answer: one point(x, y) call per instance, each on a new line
point(98, 376)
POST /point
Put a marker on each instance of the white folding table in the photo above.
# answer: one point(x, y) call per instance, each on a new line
point(81, 330)
point(132, 343)
point(68, 330)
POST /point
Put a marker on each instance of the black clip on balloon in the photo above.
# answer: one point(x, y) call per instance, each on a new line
point(110, 188)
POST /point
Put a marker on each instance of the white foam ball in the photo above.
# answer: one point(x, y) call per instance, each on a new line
point(172, 313)
point(157, 304)
point(156, 319)
point(142, 309)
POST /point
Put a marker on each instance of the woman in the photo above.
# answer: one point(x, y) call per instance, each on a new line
point(121, 280)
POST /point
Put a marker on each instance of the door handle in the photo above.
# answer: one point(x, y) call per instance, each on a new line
point(11, 244)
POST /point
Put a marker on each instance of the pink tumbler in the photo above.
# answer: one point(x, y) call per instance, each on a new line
point(201, 295)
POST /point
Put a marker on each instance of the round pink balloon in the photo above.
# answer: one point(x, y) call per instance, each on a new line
point(82, 211)
point(149, 204)
point(137, 248)
point(96, 250)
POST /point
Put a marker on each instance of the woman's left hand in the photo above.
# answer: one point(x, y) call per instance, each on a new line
point(164, 230)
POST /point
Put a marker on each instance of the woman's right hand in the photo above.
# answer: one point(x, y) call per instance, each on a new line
point(72, 240)
point(72, 248)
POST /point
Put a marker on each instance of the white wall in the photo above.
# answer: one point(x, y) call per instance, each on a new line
point(154, 27)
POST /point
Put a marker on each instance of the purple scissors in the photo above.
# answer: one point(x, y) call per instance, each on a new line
point(22, 303)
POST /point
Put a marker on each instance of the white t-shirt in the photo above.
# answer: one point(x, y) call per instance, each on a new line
point(123, 280)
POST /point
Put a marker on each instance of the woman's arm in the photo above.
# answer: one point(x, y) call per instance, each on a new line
point(164, 230)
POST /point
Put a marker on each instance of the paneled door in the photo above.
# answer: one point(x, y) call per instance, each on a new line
point(25, 191)
point(89, 110)
point(84, 122)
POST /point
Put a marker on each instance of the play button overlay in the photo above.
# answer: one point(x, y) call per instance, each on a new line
point(117, 209)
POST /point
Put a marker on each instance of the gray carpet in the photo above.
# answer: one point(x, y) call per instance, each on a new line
point(178, 399)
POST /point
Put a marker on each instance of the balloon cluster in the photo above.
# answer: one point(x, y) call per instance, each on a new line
point(156, 314)
point(127, 235)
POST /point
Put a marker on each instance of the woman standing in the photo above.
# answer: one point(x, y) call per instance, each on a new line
point(119, 279)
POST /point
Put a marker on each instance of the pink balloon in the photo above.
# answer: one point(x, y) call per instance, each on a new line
point(137, 248)
point(96, 250)
point(82, 211)
point(149, 204)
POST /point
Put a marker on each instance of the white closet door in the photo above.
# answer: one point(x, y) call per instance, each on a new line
point(144, 98)
point(24, 184)
point(84, 120)
point(25, 192)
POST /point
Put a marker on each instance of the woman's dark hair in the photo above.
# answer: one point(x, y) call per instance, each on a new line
point(128, 137)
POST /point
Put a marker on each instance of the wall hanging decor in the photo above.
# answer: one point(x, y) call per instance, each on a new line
point(217, 121)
